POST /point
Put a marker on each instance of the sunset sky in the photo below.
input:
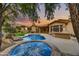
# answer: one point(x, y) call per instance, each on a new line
point(59, 13)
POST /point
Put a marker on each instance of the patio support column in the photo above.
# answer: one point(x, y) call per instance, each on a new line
point(39, 30)
point(49, 29)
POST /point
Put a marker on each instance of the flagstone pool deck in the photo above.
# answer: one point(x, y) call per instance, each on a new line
point(66, 46)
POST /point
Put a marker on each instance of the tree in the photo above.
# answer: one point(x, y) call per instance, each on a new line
point(8, 28)
point(29, 9)
point(8, 10)
point(50, 9)
point(1, 25)
point(2, 9)
point(74, 14)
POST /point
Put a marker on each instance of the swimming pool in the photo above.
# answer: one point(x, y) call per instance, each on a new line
point(33, 37)
point(31, 48)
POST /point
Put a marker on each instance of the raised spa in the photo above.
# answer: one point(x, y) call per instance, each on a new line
point(31, 48)
point(33, 37)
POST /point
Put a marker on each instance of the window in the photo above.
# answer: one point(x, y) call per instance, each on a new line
point(57, 28)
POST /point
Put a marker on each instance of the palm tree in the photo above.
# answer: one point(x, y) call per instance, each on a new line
point(29, 9)
point(3, 7)
point(74, 14)
point(13, 10)
point(50, 9)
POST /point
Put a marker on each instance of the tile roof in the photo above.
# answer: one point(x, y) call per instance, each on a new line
point(24, 22)
point(39, 23)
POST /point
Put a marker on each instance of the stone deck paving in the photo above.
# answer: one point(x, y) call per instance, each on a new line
point(64, 45)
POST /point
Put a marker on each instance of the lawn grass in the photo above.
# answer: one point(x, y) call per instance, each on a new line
point(20, 34)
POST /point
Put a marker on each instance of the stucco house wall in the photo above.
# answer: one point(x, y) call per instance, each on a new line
point(53, 24)
point(69, 28)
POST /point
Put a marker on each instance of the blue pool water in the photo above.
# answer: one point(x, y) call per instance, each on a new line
point(33, 37)
point(31, 49)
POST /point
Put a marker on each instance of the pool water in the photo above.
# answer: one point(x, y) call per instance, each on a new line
point(33, 37)
point(30, 48)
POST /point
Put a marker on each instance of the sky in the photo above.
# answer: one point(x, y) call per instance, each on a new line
point(61, 13)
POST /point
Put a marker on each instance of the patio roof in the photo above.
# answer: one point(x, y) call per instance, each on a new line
point(42, 23)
